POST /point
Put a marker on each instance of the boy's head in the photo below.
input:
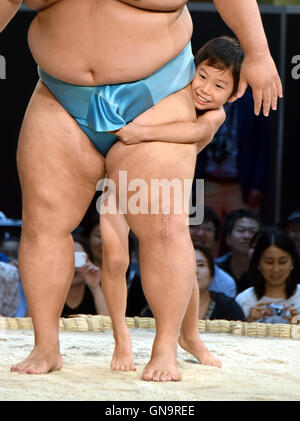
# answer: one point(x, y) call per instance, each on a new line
point(218, 65)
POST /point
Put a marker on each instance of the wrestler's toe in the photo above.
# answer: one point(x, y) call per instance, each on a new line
point(132, 367)
point(165, 376)
point(147, 376)
point(177, 377)
point(32, 370)
point(157, 374)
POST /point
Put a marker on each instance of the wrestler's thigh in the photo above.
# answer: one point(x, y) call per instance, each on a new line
point(57, 164)
point(148, 161)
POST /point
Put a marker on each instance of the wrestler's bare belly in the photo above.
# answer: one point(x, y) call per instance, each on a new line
point(95, 42)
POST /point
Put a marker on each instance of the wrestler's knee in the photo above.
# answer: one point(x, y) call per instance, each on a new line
point(43, 218)
point(164, 230)
point(40, 232)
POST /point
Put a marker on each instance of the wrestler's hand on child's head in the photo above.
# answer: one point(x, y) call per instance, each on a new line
point(259, 71)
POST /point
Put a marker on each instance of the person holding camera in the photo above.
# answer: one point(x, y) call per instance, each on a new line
point(274, 273)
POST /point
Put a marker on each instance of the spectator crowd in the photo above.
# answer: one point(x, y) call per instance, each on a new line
point(245, 271)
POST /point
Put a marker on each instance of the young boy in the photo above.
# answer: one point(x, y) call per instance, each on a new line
point(218, 65)
point(216, 80)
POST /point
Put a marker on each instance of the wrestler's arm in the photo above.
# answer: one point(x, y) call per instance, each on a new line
point(200, 131)
point(8, 9)
point(258, 69)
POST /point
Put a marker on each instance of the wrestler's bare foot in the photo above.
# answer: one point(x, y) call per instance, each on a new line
point(195, 346)
point(39, 361)
point(122, 359)
point(162, 366)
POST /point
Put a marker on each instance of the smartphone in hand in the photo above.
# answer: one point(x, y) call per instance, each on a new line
point(80, 258)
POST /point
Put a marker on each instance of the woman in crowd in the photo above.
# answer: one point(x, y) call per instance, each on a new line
point(213, 305)
point(274, 272)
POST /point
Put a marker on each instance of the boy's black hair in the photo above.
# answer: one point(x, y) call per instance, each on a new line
point(222, 53)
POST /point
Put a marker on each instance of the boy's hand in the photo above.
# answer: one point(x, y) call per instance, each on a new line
point(130, 134)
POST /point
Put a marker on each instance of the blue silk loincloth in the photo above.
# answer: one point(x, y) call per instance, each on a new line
point(98, 109)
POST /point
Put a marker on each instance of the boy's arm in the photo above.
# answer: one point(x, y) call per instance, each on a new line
point(8, 9)
point(213, 120)
point(201, 131)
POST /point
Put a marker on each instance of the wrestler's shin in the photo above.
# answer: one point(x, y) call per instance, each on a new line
point(167, 269)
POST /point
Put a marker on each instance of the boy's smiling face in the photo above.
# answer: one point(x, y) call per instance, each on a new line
point(211, 87)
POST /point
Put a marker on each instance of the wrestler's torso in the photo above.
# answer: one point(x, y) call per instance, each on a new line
point(95, 42)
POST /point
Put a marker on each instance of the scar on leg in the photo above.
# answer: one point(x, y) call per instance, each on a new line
point(165, 228)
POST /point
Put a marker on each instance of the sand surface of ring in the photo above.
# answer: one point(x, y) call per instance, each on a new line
point(253, 369)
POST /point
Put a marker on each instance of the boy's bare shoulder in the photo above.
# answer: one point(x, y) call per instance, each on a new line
point(182, 99)
point(185, 93)
point(178, 106)
point(218, 115)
